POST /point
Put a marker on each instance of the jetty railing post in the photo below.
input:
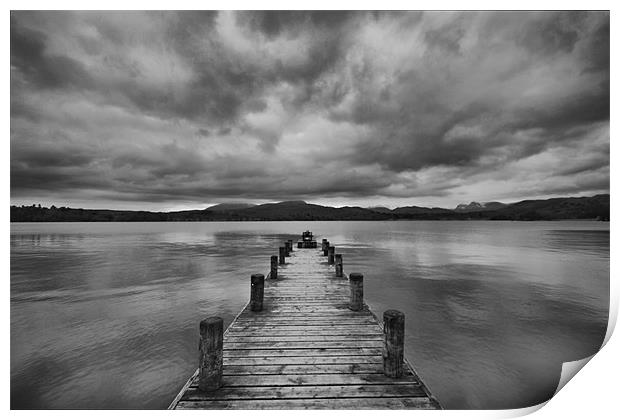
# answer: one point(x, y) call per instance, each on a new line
point(273, 274)
point(257, 291)
point(338, 259)
point(325, 248)
point(282, 255)
point(394, 348)
point(211, 348)
point(330, 254)
point(356, 282)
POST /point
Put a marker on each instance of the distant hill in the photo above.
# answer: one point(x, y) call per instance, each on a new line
point(596, 207)
point(300, 210)
point(475, 206)
point(415, 210)
point(380, 209)
point(230, 206)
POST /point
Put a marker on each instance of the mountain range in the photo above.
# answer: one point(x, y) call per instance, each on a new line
point(596, 207)
point(475, 206)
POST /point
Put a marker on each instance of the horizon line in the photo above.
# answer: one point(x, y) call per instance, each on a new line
point(306, 202)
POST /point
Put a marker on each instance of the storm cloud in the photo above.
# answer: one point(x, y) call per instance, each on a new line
point(162, 110)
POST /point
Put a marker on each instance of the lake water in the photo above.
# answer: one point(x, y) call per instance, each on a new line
point(105, 315)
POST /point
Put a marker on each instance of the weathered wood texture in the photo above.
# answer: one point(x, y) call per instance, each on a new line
point(307, 350)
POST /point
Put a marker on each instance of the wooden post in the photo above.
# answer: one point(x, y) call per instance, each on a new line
point(338, 259)
point(211, 348)
point(287, 251)
point(282, 255)
point(274, 267)
point(330, 254)
point(323, 242)
point(325, 248)
point(257, 289)
point(356, 281)
point(290, 245)
point(394, 331)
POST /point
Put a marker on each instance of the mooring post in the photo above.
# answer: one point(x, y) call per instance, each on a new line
point(356, 281)
point(282, 255)
point(325, 248)
point(286, 250)
point(338, 259)
point(257, 290)
point(394, 349)
point(290, 245)
point(211, 348)
point(330, 254)
point(323, 242)
point(273, 274)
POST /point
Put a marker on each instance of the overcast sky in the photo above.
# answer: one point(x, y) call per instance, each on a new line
point(174, 110)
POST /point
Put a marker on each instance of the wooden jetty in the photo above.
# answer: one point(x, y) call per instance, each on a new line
point(306, 340)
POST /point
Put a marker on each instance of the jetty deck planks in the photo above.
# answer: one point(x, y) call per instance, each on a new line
point(306, 350)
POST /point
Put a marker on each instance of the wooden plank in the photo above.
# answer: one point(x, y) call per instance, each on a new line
point(301, 333)
point(307, 329)
point(311, 391)
point(316, 352)
point(334, 316)
point(340, 308)
point(398, 403)
point(283, 360)
point(303, 344)
point(307, 338)
point(298, 380)
point(322, 322)
point(315, 369)
point(279, 298)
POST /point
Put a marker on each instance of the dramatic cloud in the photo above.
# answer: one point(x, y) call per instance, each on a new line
point(164, 110)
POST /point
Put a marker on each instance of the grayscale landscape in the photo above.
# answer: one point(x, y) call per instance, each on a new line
point(158, 159)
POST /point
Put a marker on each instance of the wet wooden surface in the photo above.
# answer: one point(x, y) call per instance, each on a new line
point(306, 350)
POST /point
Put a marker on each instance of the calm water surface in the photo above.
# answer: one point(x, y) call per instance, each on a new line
point(105, 315)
